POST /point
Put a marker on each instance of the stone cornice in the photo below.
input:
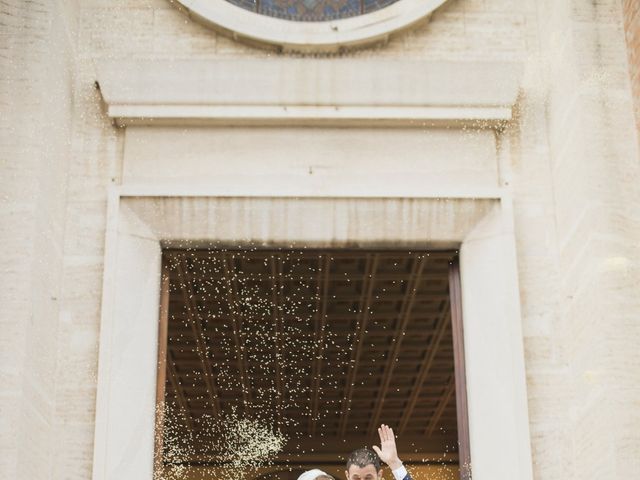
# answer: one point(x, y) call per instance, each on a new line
point(309, 92)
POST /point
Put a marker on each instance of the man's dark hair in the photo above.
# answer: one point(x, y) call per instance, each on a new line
point(363, 457)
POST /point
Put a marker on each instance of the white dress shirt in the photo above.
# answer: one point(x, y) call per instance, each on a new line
point(399, 473)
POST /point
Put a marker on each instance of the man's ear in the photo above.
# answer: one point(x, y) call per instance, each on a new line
point(380, 473)
point(346, 474)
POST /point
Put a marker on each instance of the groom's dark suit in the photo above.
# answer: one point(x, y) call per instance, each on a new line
point(401, 474)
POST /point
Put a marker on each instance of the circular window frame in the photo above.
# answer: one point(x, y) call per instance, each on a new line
point(327, 37)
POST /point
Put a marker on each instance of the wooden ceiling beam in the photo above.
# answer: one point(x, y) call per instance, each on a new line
point(196, 329)
point(309, 459)
point(324, 268)
point(276, 296)
point(391, 297)
point(365, 303)
point(398, 336)
point(233, 302)
point(334, 444)
point(406, 373)
point(426, 365)
point(418, 328)
point(312, 253)
point(176, 386)
point(444, 401)
point(336, 277)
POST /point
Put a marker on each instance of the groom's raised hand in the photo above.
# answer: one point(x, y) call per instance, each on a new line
point(387, 451)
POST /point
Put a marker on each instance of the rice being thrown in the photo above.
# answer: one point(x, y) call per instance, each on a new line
point(244, 445)
point(252, 443)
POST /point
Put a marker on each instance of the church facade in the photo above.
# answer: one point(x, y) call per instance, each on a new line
point(502, 130)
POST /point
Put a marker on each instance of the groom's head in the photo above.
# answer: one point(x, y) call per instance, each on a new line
point(363, 464)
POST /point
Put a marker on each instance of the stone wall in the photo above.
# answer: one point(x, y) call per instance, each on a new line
point(570, 158)
point(576, 208)
point(36, 91)
point(631, 12)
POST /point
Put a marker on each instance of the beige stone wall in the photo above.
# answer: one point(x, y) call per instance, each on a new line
point(631, 13)
point(571, 159)
point(36, 81)
point(577, 197)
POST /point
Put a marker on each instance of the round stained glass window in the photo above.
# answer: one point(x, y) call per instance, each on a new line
point(323, 26)
point(312, 10)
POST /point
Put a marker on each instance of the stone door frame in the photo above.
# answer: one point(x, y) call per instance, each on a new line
point(141, 220)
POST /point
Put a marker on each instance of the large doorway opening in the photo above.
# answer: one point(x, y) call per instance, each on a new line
point(273, 361)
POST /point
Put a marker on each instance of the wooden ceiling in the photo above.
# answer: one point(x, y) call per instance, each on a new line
point(320, 345)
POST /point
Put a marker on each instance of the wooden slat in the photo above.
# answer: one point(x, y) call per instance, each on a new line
point(425, 367)
point(365, 303)
point(324, 269)
point(336, 252)
point(425, 297)
point(196, 328)
point(398, 337)
point(442, 404)
point(177, 388)
point(421, 330)
point(314, 459)
point(410, 443)
point(233, 302)
point(276, 271)
point(405, 377)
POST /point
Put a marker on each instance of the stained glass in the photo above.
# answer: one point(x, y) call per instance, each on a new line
point(312, 10)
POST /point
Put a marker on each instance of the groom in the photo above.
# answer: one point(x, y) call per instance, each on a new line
point(363, 464)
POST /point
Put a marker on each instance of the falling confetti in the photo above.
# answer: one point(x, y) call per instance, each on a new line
point(256, 362)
